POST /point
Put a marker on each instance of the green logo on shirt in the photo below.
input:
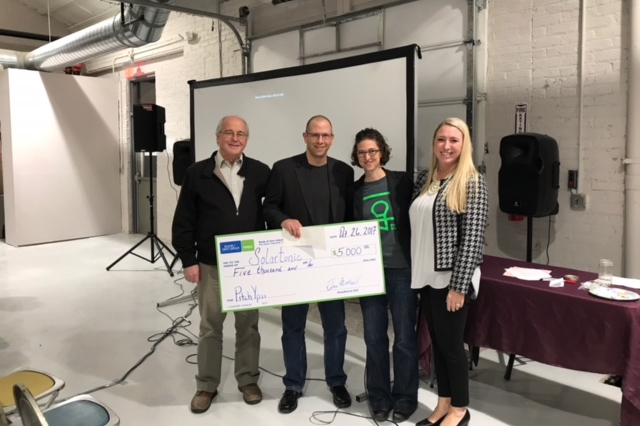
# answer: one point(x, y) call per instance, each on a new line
point(382, 211)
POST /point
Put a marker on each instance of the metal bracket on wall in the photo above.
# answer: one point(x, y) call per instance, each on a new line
point(481, 4)
point(223, 18)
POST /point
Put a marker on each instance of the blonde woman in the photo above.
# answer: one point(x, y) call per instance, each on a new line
point(448, 217)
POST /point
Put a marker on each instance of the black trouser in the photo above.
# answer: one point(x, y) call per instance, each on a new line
point(446, 330)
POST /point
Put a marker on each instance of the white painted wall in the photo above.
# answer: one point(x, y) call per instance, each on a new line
point(60, 156)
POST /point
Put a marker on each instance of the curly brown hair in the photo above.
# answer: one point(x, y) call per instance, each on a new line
point(374, 135)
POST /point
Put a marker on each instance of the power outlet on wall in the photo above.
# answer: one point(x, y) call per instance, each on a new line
point(577, 202)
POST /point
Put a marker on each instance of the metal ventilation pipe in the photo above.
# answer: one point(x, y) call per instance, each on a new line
point(135, 26)
point(11, 59)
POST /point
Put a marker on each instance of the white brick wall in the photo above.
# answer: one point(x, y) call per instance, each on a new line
point(533, 57)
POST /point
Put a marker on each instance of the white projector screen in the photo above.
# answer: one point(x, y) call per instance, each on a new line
point(373, 90)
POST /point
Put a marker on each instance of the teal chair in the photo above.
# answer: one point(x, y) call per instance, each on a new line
point(82, 410)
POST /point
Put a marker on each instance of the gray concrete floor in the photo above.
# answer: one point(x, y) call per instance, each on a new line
point(62, 312)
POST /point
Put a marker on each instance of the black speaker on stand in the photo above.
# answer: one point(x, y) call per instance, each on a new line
point(149, 136)
point(183, 158)
point(528, 184)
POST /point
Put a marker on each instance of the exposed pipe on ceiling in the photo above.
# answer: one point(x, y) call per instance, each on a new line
point(30, 36)
point(225, 19)
point(11, 59)
point(136, 26)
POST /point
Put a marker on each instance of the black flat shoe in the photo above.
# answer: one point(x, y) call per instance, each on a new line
point(466, 419)
point(427, 422)
point(342, 399)
point(381, 416)
point(289, 402)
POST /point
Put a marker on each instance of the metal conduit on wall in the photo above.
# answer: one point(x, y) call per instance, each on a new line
point(631, 163)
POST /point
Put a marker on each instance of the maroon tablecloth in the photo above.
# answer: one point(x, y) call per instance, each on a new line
point(564, 327)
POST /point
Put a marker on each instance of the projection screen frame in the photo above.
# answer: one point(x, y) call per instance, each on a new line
point(409, 52)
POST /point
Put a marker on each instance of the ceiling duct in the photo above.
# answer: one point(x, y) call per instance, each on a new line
point(134, 26)
point(11, 59)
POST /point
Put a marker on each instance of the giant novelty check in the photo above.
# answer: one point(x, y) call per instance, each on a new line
point(328, 262)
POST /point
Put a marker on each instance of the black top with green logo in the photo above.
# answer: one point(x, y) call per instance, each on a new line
point(377, 205)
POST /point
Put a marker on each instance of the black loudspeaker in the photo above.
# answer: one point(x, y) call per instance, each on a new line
point(529, 175)
point(182, 160)
point(149, 128)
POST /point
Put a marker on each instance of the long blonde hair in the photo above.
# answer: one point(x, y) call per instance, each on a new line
point(456, 195)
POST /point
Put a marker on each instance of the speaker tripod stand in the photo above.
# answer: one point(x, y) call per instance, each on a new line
point(528, 257)
point(155, 243)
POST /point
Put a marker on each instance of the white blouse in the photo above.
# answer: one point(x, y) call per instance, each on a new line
point(422, 248)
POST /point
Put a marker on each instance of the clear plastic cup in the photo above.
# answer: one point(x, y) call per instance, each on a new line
point(605, 272)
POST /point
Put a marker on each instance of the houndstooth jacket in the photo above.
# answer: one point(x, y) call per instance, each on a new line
point(459, 238)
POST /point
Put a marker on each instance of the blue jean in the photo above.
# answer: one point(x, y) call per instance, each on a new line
point(403, 303)
point(294, 318)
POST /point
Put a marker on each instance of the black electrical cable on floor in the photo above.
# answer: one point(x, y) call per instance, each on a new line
point(182, 291)
point(183, 322)
point(185, 341)
point(169, 176)
point(177, 323)
point(314, 418)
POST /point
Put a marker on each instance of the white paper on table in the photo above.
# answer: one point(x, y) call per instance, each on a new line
point(557, 283)
point(628, 283)
point(527, 273)
point(309, 236)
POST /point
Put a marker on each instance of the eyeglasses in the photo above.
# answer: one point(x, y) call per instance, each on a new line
point(370, 153)
point(231, 133)
point(323, 136)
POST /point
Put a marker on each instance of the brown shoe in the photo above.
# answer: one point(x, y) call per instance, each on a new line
point(202, 401)
point(251, 393)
